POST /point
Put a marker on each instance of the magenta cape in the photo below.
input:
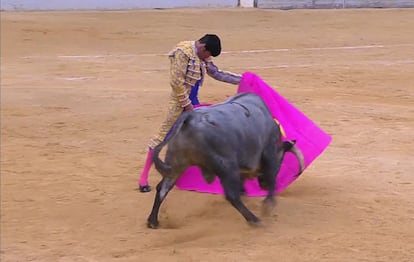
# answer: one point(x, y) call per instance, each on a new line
point(310, 139)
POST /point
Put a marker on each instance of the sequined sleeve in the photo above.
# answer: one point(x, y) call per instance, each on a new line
point(179, 62)
point(216, 73)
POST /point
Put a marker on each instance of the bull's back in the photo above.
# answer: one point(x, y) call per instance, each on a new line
point(242, 124)
point(243, 113)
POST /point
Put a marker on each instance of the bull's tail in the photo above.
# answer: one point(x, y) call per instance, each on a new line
point(161, 166)
point(289, 146)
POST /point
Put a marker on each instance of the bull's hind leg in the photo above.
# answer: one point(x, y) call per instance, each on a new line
point(231, 184)
point(163, 188)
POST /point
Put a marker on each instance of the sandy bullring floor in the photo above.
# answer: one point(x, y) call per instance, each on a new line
point(82, 92)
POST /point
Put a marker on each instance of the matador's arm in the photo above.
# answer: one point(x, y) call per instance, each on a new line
point(224, 76)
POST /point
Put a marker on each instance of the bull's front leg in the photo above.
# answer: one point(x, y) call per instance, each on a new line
point(163, 187)
point(242, 188)
point(269, 202)
point(231, 184)
point(270, 170)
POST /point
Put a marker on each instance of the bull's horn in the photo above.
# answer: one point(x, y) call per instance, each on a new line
point(295, 150)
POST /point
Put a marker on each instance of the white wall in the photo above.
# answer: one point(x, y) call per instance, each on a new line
point(110, 4)
point(247, 3)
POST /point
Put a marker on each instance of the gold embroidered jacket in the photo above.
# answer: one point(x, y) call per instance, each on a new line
point(187, 69)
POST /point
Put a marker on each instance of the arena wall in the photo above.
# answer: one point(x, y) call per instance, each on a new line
point(289, 4)
point(150, 4)
point(110, 4)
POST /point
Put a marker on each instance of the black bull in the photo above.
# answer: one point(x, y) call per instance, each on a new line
point(233, 140)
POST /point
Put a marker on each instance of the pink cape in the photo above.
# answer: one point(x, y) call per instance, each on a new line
point(310, 139)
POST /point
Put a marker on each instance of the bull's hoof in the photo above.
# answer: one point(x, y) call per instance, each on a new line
point(268, 206)
point(144, 189)
point(153, 225)
point(256, 223)
point(267, 210)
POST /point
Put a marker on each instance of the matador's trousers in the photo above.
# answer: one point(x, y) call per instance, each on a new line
point(174, 111)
